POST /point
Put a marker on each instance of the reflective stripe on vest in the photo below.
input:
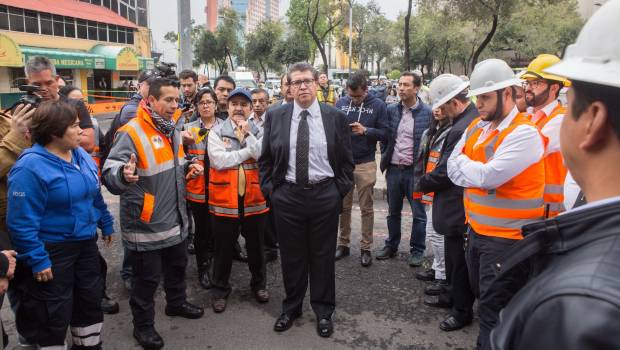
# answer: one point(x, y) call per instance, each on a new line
point(431, 164)
point(502, 212)
point(331, 96)
point(555, 171)
point(196, 187)
point(96, 154)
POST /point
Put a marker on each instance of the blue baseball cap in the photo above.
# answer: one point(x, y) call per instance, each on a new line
point(240, 92)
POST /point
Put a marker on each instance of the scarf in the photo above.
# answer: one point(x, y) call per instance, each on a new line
point(165, 126)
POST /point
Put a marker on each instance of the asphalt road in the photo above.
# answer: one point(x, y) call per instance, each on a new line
point(380, 307)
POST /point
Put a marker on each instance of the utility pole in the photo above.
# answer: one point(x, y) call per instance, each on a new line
point(350, 34)
point(185, 34)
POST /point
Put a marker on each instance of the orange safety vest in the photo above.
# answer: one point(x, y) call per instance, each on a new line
point(431, 164)
point(223, 184)
point(329, 99)
point(501, 212)
point(555, 171)
point(96, 153)
point(196, 187)
point(155, 154)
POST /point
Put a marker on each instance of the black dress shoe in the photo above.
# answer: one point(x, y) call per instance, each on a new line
point(436, 288)
point(185, 310)
point(366, 258)
point(325, 327)
point(148, 338)
point(284, 322)
point(204, 278)
point(109, 306)
point(386, 253)
point(341, 252)
point(437, 302)
point(452, 324)
point(426, 275)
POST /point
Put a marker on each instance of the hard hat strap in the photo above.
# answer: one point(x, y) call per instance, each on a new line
point(499, 105)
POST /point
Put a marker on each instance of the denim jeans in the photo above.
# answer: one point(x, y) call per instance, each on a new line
point(400, 186)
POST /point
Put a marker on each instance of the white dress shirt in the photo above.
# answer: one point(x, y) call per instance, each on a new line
point(571, 191)
point(220, 157)
point(519, 150)
point(258, 121)
point(318, 159)
point(551, 130)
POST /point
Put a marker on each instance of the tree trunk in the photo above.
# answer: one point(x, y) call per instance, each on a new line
point(262, 67)
point(485, 42)
point(407, 45)
point(378, 68)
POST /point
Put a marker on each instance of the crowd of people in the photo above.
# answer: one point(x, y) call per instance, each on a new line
point(515, 193)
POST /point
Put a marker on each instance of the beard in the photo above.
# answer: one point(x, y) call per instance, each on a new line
point(534, 100)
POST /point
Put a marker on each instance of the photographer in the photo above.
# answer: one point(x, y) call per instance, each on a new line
point(40, 72)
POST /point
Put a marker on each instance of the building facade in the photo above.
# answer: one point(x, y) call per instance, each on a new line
point(98, 46)
point(251, 12)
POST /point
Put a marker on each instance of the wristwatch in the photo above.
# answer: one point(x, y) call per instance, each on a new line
point(365, 132)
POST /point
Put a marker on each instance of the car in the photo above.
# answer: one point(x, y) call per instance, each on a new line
point(273, 87)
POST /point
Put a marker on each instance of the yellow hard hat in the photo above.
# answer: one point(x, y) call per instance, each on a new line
point(540, 63)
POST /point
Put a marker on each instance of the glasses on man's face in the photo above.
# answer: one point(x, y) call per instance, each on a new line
point(298, 83)
point(531, 83)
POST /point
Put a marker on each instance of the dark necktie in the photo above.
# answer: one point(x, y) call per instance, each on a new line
point(302, 150)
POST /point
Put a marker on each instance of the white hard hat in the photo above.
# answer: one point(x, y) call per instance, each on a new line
point(445, 87)
point(491, 75)
point(595, 56)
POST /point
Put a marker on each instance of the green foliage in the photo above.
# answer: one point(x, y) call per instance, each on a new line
point(261, 44)
point(394, 74)
point(220, 47)
point(292, 49)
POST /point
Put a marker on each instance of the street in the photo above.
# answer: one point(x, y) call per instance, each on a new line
point(377, 307)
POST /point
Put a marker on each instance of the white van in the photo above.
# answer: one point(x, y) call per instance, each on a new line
point(244, 80)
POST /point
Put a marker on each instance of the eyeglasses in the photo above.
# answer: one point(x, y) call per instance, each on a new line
point(532, 83)
point(297, 83)
point(206, 103)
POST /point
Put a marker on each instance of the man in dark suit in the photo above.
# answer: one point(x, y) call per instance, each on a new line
point(449, 93)
point(306, 168)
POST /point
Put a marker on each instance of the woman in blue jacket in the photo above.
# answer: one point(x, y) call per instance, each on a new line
point(54, 208)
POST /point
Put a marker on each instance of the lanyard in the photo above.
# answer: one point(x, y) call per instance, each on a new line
point(359, 115)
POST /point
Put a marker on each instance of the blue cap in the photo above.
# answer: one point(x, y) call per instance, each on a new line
point(241, 92)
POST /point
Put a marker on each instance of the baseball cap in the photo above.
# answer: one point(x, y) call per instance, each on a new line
point(240, 92)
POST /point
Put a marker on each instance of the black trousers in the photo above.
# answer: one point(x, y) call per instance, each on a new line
point(483, 252)
point(459, 292)
point(226, 232)
point(307, 222)
point(73, 297)
point(203, 238)
point(147, 270)
point(271, 240)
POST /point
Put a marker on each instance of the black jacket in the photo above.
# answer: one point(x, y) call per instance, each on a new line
point(273, 162)
point(448, 209)
point(573, 298)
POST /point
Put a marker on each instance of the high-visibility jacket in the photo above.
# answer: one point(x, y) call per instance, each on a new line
point(196, 187)
point(153, 211)
point(428, 157)
point(555, 171)
point(224, 183)
point(97, 154)
point(501, 212)
point(329, 99)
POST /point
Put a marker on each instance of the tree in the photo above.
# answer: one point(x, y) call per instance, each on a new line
point(261, 44)
point(407, 42)
point(379, 46)
point(173, 36)
point(291, 50)
point(219, 48)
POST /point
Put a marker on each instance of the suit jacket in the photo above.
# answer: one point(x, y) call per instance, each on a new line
point(273, 162)
point(448, 208)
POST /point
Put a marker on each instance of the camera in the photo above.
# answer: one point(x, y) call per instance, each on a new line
point(166, 70)
point(30, 98)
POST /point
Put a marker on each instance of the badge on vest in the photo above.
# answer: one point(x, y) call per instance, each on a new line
point(157, 141)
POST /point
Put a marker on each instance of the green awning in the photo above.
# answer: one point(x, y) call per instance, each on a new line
point(66, 58)
point(118, 57)
point(146, 63)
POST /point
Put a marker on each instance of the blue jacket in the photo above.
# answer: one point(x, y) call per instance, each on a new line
point(53, 201)
point(422, 115)
point(373, 116)
point(128, 111)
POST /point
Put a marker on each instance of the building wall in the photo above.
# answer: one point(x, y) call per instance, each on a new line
point(55, 42)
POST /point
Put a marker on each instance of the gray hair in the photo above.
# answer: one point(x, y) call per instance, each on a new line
point(38, 64)
point(302, 67)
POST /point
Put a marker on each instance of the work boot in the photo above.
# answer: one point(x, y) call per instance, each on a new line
point(109, 306)
point(341, 252)
point(148, 338)
point(366, 258)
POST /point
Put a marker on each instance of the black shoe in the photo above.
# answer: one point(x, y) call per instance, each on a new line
point(185, 310)
point(437, 302)
point(325, 327)
point(426, 275)
point(452, 324)
point(284, 322)
point(436, 288)
point(149, 338)
point(341, 252)
point(109, 306)
point(271, 255)
point(203, 277)
point(386, 253)
point(238, 253)
point(366, 258)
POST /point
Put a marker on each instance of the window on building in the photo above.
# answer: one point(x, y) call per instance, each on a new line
point(82, 32)
point(92, 30)
point(66, 75)
point(103, 31)
point(131, 15)
point(70, 27)
point(142, 18)
point(16, 19)
point(129, 36)
point(46, 24)
point(106, 3)
point(17, 76)
point(96, 2)
point(112, 33)
point(59, 25)
point(31, 21)
point(142, 3)
point(4, 18)
point(122, 37)
point(114, 5)
point(123, 11)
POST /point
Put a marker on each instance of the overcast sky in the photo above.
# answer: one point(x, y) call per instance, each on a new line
point(164, 19)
